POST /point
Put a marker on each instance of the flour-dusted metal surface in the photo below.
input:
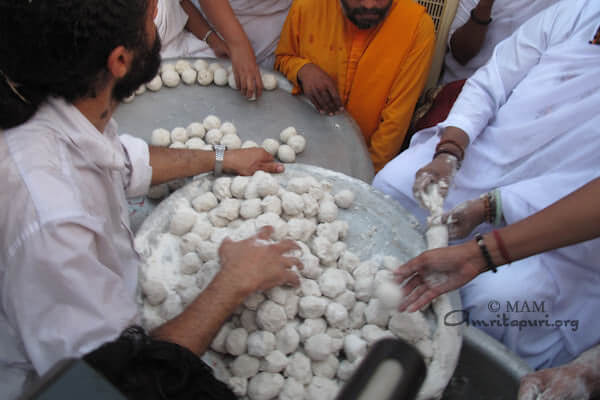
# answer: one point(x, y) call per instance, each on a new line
point(334, 143)
point(377, 226)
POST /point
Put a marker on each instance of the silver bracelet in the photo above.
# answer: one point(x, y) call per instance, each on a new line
point(207, 34)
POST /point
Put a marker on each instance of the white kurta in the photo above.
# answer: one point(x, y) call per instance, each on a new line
point(262, 21)
point(507, 16)
point(532, 117)
point(68, 270)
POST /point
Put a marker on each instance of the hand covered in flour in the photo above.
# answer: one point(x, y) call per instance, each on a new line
point(580, 379)
point(320, 89)
point(247, 161)
point(463, 218)
point(436, 272)
point(251, 266)
point(440, 172)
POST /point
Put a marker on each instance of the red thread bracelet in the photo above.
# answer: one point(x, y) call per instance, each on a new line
point(501, 246)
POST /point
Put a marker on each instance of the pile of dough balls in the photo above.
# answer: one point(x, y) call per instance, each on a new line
point(197, 72)
point(200, 135)
point(284, 343)
point(292, 144)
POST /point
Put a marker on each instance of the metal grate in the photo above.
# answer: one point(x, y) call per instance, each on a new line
point(435, 8)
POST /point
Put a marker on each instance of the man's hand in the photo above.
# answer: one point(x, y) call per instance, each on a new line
point(249, 266)
point(562, 383)
point(248, 161)
point(247, 73)
point(463, 218)
point(218, 46)
point(439, 171)
point(320, 89)
point(436, 272)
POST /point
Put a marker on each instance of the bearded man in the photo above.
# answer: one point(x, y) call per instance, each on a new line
point(370, 57)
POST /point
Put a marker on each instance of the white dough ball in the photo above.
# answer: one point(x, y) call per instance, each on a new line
point(236, 342)
point(322, 389)
point(238, 385)
point(275, 362)
point(287, 339)
point(141, 90)
point(261, 343)
point(213, 136)
point(189, 76)
point(318, 347)
point(299, 368)
point(200, 65)
point(170, 78)
point(286, 154)
point(214, 66)
point(129, 99)
point(154, 291)
point(328, 211)
point(220, 77)
point(222, 187)
point(183, 221)
point(161, 137)
point(205, 202)
point(167, 66)
point(182, 65)
point(155, 84)
point(238, 186)
point(249, 144)
point(245, 366)
point(271, 146)
point(177, 145)
point(269, 81)
point(232, 141)
point(270, 316)
point(297, 143)
point(196, 129)
point(179, 134)
point(287, 133)
point(205, 77)
point(265, 386)
point(211, 122)
point(251, 208)
point(228, 128)
point(390, 294)
point(344, 198)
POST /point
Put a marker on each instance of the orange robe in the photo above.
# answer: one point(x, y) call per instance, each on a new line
point(380, 72)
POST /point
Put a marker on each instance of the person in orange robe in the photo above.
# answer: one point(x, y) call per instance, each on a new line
point(370, 57)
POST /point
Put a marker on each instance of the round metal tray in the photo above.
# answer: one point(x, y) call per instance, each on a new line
point(377, 226)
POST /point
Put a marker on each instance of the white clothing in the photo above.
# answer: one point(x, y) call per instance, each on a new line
point(68, 270)
point(532, 117)
point(262, 21)
point(507, 16)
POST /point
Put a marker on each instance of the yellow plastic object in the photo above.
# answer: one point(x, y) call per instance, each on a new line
point(442, 12)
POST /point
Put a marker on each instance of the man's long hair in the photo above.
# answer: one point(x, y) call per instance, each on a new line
point(60, 48)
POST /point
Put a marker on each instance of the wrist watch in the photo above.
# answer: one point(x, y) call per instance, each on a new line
point(219, 156)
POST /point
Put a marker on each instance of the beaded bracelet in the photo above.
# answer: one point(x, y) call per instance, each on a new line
point(486, 254)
